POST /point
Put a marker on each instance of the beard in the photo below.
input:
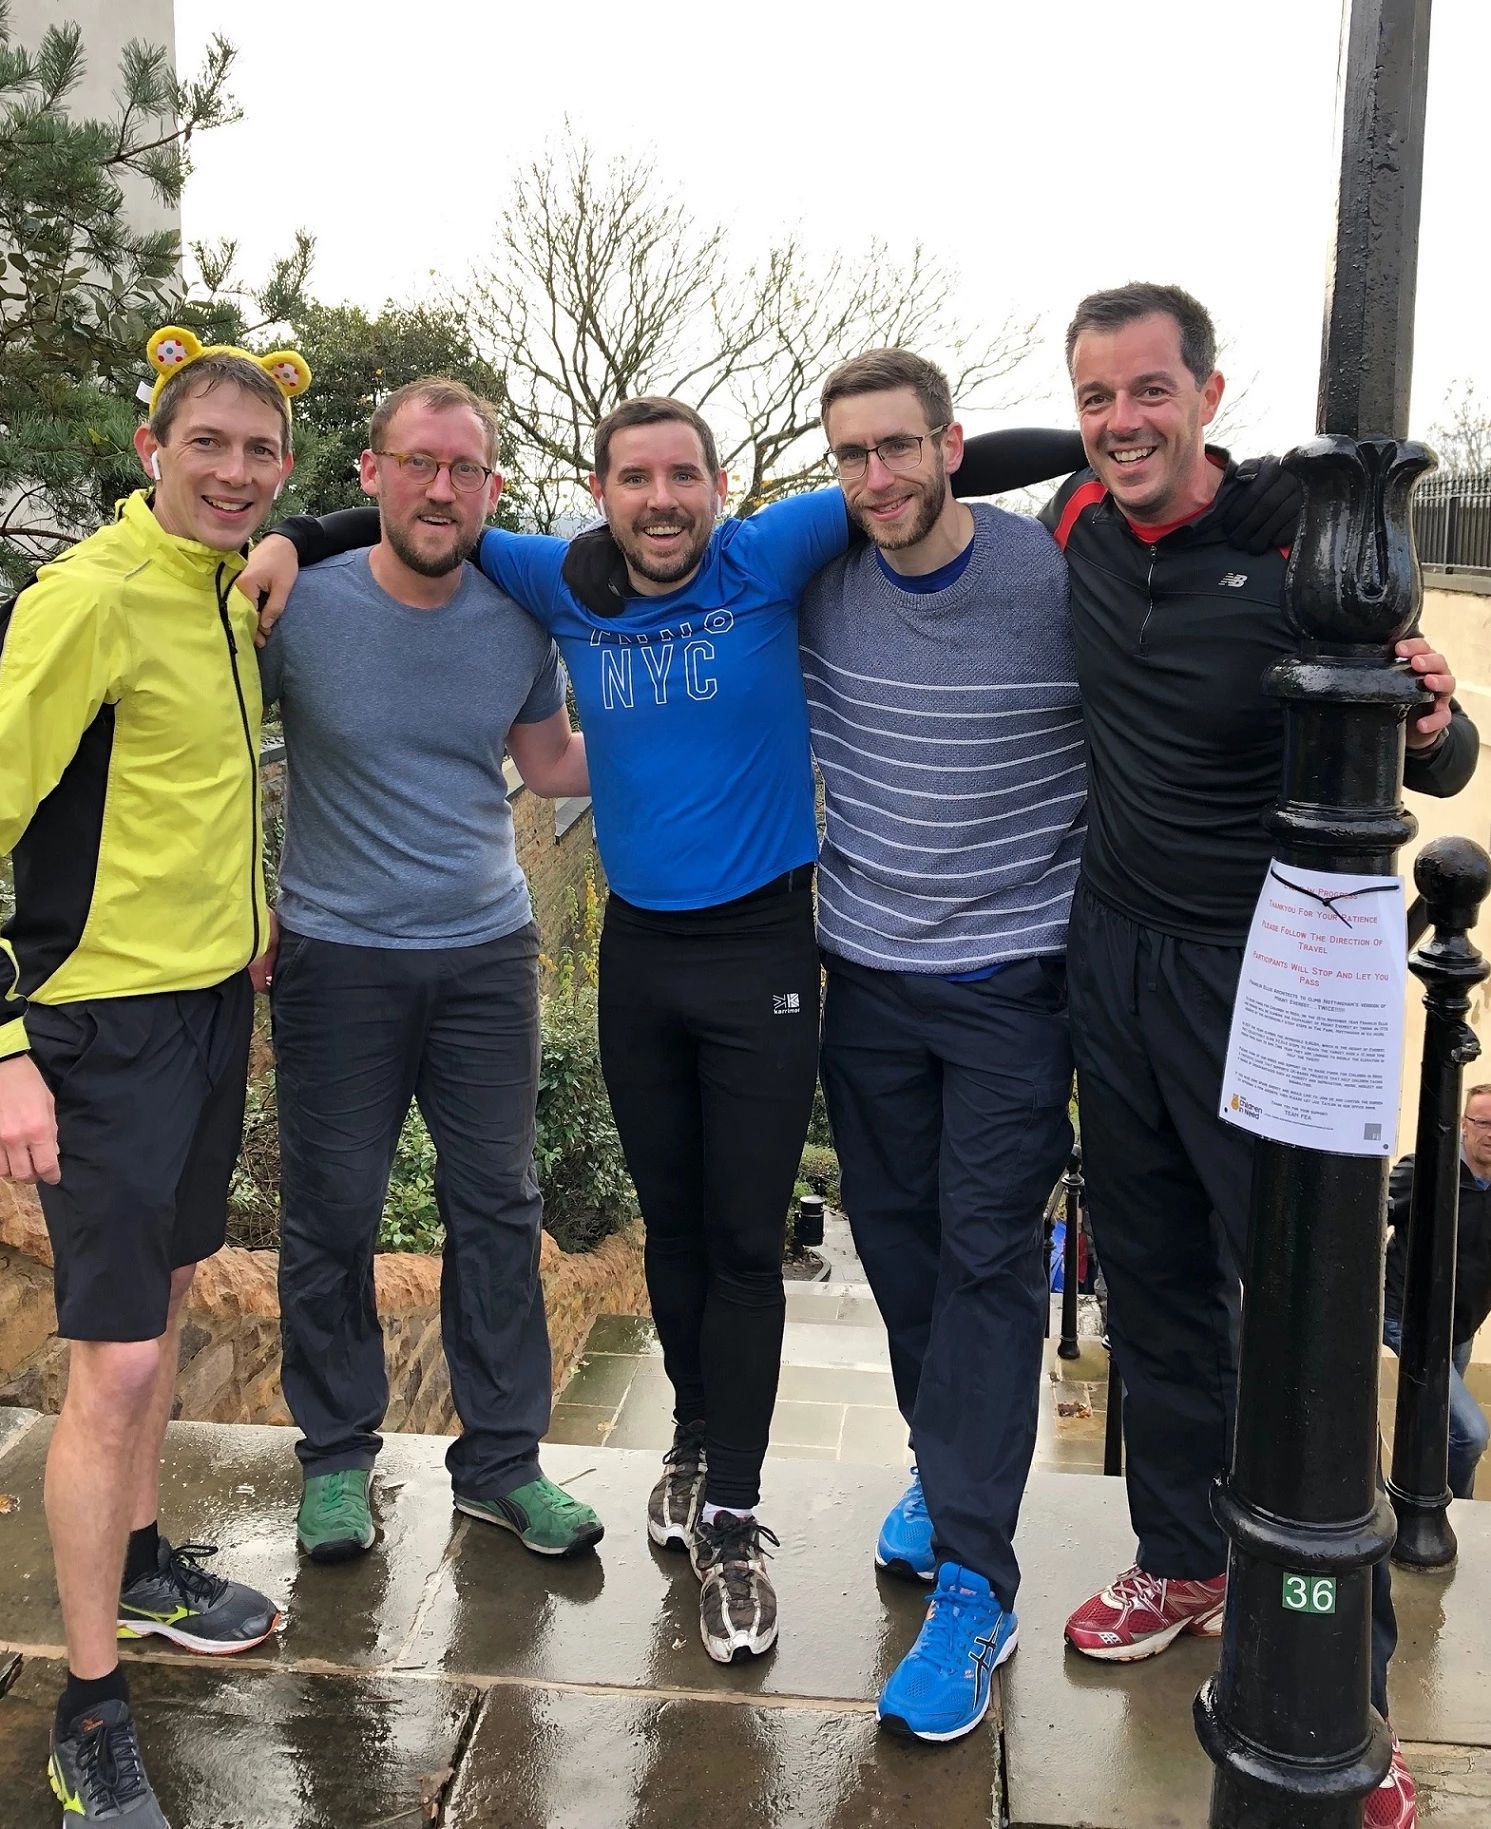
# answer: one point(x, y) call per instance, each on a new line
point(669, 571)
point(427, 564)
point(930, 495)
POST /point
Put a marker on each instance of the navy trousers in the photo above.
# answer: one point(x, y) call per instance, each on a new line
point(358, 1032)
point(1168, 1188)
point(948, 1104)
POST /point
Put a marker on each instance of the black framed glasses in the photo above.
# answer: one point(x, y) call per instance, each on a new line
point(899, 454)
point(465, 473)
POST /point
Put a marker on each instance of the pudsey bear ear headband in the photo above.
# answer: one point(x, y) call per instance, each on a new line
point(172, 348)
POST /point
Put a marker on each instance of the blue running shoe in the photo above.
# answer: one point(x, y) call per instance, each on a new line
point(940, 1689)
point(905, 1546)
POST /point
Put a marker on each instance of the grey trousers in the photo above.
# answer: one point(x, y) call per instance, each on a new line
point(358, 1032)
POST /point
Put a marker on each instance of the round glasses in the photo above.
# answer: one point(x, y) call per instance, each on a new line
point(465, 474)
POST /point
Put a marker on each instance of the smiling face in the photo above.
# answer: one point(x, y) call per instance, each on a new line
point(896, 508)
point(1475, 1133)
point(1143, 415)
point(220, 465)
point(660, 501)
point(431, 526)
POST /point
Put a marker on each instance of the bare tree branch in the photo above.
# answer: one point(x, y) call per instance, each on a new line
point(603, 286)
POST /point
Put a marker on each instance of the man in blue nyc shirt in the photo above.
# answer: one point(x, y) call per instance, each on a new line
point(680, 637)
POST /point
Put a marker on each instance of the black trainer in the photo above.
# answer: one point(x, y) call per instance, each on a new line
point(737, 1603)
point(679, 1491)
point(181, 1601)
point(97, 1772)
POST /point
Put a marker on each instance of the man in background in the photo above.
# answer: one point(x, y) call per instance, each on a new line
point(1469, 1431)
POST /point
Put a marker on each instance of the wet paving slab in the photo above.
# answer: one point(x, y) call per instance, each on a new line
point(238, 1488)
point(601, 1761)
point(234, 1748)
point(571, 1694)
point(1111, 1745)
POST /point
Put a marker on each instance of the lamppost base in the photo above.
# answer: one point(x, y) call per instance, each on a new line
point(1426, 1539)
point(1256, 1789)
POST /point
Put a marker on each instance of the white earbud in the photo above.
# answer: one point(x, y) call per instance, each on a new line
point(155, 465)
point(279, 490)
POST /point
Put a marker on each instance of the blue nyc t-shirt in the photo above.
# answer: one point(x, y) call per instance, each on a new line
point(696, 723)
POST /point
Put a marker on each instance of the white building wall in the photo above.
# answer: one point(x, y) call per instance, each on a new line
point(107, 25)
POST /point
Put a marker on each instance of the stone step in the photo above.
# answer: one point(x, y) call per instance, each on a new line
point(577, 1694)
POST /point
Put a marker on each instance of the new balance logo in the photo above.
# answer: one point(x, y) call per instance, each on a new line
point(1234, 580)
point(788, 1004)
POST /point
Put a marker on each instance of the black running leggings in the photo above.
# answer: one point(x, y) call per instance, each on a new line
point(709, 1046)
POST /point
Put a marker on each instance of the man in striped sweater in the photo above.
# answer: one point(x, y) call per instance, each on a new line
point(942, 694)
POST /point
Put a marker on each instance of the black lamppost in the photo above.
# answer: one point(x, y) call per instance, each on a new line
point(1454, 876)
point(1287, 1719)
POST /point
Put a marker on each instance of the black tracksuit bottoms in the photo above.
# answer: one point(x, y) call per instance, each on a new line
point(1168, 1185)
point(358, 1032)
point(948, 1104)
point(709, 1047)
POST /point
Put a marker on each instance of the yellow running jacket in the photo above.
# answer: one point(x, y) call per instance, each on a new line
point(129, 772)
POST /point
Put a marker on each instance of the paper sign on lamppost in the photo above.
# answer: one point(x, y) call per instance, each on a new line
point(1315, 1056)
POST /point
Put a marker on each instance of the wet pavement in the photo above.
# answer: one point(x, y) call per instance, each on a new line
point(568, 1694)
point(450, 1676)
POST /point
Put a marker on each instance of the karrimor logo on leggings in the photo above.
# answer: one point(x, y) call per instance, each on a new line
point(786, 1003)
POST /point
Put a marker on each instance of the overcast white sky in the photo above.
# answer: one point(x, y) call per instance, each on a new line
point(1041, 149)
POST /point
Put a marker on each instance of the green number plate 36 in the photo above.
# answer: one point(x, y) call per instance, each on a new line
point(1309, 1593)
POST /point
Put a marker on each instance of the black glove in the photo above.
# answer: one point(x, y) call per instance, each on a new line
point(1260, 511)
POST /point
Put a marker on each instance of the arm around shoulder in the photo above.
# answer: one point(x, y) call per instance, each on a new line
point(1447, 767)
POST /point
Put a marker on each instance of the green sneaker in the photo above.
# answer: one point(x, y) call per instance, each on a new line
point(542, 1516)
point(334, 1522)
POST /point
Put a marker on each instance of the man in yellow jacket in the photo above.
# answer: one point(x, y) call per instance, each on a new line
point(129, 802)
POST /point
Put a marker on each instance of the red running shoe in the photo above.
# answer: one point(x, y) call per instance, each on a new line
point(1393, 1805)
point(1140, 1614)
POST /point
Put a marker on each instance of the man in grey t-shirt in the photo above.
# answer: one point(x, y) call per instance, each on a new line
point(407, 967)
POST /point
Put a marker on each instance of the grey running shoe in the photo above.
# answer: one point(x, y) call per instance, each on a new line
point(96, 1770)
point(180, 1601)
point(677, 1494)
point(737, 1603)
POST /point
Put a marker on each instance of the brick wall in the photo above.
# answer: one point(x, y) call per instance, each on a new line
point(556, 863)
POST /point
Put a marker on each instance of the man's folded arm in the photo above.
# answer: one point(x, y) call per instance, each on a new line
point(1016, 458)
point(318, 537)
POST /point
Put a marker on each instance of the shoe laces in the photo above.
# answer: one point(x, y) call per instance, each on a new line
point(343, 1491)
point(739, 1545)
point(109, 1762)
point(559, 1501)
point(200, 1586)
point(944, 1638)
point(686, 1453)
point(1138, 1585)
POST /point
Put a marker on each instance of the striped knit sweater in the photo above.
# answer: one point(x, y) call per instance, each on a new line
point(949, 735)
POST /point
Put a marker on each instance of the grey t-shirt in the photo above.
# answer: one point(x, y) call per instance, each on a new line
point(397, 827)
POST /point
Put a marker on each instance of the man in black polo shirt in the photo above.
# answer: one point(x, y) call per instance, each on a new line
point(1174, 626)
point(1469, 1430)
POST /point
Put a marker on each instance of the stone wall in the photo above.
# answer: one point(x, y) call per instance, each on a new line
point(230, 1357)
point(556, 863)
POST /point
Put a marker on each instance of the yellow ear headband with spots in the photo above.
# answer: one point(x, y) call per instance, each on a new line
point(172, 348)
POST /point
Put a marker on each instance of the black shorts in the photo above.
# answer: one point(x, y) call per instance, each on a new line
point(150, 1094)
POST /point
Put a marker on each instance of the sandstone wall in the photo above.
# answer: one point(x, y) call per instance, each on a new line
point(230, 1351)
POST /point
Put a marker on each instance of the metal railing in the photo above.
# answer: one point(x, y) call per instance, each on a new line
point(1452, 521)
